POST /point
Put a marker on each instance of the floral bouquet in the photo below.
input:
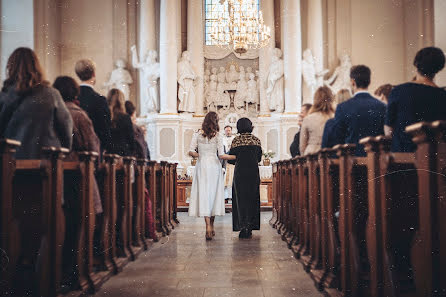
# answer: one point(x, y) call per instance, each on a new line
point(268, 154)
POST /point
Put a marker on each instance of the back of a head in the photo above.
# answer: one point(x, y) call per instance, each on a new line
point(323, 101)
point(85, 69)
point(384, 90)
point(130, 108)
point(244, 125)
point(343, 95)
point(210, 125)
point(429, 61)
point(67, 87)
point(24, 71)
point(361, 75)
point(116, 103)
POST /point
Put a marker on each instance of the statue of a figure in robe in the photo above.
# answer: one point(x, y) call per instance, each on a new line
point(120, 79)
point(232, 77)
point(312, 78)
point(186, 77)
point(150, 72)
point(340, 79)
point(274, 91)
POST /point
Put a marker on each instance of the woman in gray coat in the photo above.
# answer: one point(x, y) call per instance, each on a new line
point(31, 111)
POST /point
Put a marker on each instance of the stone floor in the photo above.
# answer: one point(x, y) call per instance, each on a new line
point(185, 264)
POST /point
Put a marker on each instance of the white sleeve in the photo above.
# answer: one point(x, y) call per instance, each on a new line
point(220, 147)
point(194, 143)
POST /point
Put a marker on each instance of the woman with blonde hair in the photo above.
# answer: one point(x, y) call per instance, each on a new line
point(207, 197)
point(328, 140)
point(342, 96)
point(123, 138)
point(313, 124)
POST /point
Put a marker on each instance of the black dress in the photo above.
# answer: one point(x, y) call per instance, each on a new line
point(123, 136)
point(246, 184)
point(411, 103)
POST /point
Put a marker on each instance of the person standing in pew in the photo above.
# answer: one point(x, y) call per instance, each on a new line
point(313, 125)
point(207, 198)
point(416, 101)
point(93, 103)
point(84, 140)
point(246, 185)
point(294, 147)
point(31, 111)
point(327, 137)
point(361, 116)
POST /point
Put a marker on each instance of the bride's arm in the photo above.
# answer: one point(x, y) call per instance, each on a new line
point(193, 154)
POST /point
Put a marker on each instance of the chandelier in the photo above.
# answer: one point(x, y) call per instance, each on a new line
point(239, 26)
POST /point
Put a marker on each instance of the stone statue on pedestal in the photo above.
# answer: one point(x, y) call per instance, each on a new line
point(340, 79)
point(312, 79)
point(186, 77)
point(232, 76)
point(120, 79)
point(222, 98)
point(150, 72)
point(253, 92)
point(242, 91)
point(274, 91)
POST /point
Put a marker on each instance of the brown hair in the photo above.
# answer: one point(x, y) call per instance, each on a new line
point(342, 96)
point(116, 102)
point(323, 101)
point(384, 90)
point(67, 87)
point(210, 125)
point(85, 69)
point(24, 71)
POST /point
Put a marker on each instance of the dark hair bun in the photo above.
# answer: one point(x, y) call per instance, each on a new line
point(429, 61)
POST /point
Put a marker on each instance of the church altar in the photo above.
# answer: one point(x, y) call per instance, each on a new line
point(184, 184)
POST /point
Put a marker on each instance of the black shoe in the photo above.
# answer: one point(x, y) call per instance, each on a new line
point(249, 233)
point(243, 233)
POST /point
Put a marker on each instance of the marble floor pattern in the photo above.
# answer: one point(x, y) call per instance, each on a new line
point(184, 264)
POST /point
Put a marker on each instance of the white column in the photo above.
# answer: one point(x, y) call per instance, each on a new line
point(316, 35)
point(168, 57)
point(267, 8)
point(292, 54)
point(179, 33)
point(195, 44)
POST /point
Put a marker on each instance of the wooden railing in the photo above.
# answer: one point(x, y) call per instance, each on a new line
point(368, 226)
point(41, 198)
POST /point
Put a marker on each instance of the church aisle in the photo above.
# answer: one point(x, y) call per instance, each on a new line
point(185, 264)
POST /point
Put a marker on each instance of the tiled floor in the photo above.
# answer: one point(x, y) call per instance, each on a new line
point(186, 265)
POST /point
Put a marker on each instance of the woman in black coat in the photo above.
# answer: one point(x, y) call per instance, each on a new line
point(246, 185)
point(123, 137)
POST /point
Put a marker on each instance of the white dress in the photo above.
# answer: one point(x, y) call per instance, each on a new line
point(207, 193)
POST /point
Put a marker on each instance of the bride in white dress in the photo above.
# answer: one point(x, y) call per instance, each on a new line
point(207, 197)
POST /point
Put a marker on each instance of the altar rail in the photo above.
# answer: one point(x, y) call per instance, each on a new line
point(368, 226)
point(34, 217)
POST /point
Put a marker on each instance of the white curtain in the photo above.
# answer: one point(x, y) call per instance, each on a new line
point(213, 52)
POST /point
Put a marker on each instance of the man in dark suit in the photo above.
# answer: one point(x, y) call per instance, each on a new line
point(294, 147)
point(361, 116)
point(93, 103)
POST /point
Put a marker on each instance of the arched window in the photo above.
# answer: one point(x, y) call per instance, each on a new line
point(213, 9)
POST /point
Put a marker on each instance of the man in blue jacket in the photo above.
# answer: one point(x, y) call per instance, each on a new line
point(361, 116)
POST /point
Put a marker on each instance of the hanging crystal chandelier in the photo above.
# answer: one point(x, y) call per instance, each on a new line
point(239, 26)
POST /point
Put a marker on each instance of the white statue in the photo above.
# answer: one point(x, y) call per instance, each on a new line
point(232, 76)
point(150, 72)
point(207, 78)
point(248, 72)
point(186, 77)
point(242, 91)
point(274, 91)
point(340, 79)
point(120, 79)
point(312, 79)
point(212, 94)
point(223, 98)
point(253, 95)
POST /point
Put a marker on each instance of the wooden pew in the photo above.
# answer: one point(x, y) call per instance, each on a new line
point(139, 238)
point(429, 250)
point(294, 206)
point(31, 204)
point(275, 190)
point(304, 252)
point(152, 179)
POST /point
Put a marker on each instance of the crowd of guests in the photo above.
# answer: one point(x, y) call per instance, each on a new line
point(67, 115)
point(389, 111)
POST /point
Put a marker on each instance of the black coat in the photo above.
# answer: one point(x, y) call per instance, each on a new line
point(294, 147)
point(246, 183)
point(98, 111)
point(38, 119)
point(123, 136)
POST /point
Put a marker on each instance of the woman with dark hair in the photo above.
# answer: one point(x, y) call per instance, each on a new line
point(84, 139)
point(383, 92)
point(207, 197)
point(141, 147)
point(31, 111)
point(416, 101)
point(246, 185)
point(123, 137)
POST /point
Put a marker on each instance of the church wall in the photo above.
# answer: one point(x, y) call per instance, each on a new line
point(440, 34)
point(15, 31)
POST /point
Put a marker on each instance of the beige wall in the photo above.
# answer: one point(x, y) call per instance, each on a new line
point(440, 35)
